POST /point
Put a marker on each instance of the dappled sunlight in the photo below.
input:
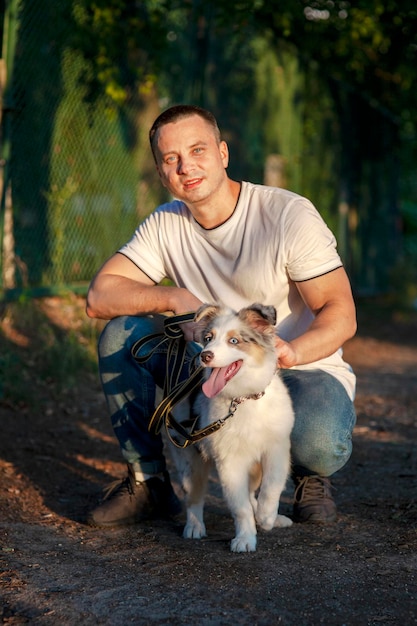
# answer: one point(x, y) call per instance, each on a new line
point(13, 334)
point(93, 433)
point(24, 325)
point(113, 469)
point(68, 313)
point(374, 432)
point(44, 344)
point(24, 499)
point(380, 355)
point(392, 410)
point(386, 418)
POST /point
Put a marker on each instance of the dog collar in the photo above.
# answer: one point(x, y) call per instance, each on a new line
point(253, 396)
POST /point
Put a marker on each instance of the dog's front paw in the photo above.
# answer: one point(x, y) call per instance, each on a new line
point(282, 521)
point(266, 522)
point(194, 530)
point(273, 521)
point(243, 543)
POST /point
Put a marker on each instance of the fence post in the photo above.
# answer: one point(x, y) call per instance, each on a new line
point(274, 171)
point(6, 100)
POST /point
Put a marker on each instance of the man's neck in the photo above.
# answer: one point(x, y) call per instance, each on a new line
point(214, 212)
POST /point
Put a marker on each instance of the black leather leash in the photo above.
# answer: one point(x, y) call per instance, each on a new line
point(172, 339)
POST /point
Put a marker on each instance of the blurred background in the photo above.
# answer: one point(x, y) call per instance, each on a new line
point(318, 97)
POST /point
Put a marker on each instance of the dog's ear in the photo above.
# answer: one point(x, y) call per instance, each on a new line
point(267, 311)
point(260, 317)
point(206, 312)
point(203, 316)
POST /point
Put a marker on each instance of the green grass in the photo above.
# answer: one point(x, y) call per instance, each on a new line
point(43, 354)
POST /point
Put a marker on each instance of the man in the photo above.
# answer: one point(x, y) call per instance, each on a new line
point(233, 243)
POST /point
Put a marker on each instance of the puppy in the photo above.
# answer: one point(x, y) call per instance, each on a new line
point(251, 448)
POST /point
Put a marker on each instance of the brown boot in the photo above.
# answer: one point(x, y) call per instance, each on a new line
point(313, 500)
point(130, 502)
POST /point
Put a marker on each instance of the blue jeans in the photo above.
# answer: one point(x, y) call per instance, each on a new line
point(321, 441)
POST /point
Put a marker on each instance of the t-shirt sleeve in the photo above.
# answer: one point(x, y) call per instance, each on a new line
point(144, 248)
point(311, 248)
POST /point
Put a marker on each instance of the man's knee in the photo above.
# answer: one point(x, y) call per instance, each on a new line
point(322, 455)
point(112, 336)
point(121, 333)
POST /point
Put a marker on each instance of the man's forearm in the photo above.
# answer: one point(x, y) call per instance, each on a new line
point(327, 333)
point(111, 296)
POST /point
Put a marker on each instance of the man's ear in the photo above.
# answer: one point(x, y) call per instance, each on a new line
point(224, 153)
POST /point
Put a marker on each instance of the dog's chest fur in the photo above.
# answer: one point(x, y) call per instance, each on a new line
point(250, 430)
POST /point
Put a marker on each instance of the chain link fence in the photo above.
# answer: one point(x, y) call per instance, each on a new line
point(70, 174)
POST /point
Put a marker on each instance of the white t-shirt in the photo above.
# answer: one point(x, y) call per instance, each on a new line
point(273, 239)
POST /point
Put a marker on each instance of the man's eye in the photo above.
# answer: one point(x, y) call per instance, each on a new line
point(171, 159)
point(233, 340)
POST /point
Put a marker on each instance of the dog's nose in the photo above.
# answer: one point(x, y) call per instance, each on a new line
point(206, 356)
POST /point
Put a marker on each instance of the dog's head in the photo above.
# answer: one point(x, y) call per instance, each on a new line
point(239, 347)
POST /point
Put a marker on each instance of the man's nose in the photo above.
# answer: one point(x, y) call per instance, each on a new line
point(185, 165)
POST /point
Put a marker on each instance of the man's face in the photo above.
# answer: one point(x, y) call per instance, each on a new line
point(190, 161)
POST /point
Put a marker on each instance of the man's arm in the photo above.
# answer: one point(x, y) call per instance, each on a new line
point(330, 298)
point(121, 288)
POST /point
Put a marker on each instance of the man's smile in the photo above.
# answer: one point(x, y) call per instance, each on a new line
point(192, 183)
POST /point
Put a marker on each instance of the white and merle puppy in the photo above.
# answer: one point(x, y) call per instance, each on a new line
point(251, 449)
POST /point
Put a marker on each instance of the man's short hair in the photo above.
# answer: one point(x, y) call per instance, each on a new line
point(178, 112)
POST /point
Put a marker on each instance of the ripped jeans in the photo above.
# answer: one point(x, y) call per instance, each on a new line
point(321, 441)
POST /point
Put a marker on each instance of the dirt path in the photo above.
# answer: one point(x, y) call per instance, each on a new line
point(360, 570)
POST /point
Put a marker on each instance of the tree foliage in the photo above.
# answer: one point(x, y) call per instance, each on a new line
point(123, 41)
point(369, 44)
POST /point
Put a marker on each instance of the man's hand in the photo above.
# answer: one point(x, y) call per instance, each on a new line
point(286, 356)
point(183, 301)
point(329, 297)
point(189, 329)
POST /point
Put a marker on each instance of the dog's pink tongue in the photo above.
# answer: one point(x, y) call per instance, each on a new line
point(219, 377)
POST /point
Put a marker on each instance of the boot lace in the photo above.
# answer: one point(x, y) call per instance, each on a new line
point(117, 488)
point(312, 488)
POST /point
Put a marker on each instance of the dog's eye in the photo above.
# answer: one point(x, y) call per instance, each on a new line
point(233, 340)
point(207, 338)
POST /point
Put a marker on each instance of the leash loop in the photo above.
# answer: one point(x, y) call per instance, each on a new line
point(172, 341)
